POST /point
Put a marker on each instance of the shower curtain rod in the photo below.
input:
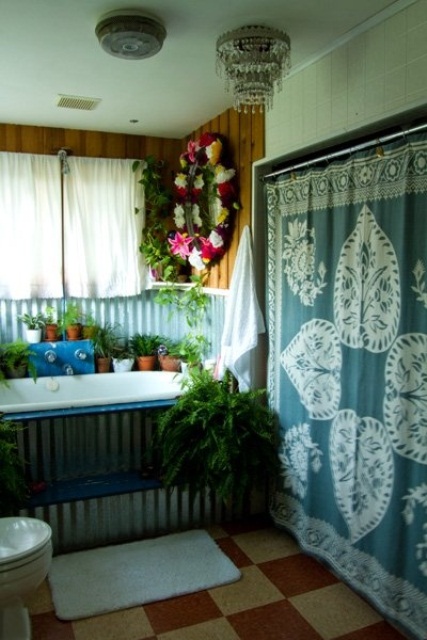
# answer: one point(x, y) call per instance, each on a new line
point(336, 154)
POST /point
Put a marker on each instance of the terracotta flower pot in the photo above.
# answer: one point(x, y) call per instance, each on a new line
point(51, 332)
point(88, 332)
point(169, 363)
point(74, 331)
point(103, 365)
point(146, 363)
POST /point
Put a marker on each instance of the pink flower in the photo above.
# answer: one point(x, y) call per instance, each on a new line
point(192, 149)
point(180, 245)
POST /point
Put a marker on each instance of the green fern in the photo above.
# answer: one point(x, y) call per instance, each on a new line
point(13, 488)
point(217, 439)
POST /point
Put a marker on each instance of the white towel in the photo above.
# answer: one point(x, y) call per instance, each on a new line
point(243, 318)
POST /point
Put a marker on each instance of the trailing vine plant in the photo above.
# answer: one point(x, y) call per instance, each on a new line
point(158, 200)
point(204, 204)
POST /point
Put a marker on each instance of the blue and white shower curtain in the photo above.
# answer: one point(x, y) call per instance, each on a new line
point(347, 321)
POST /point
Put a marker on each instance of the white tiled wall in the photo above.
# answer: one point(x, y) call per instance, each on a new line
point(378, 74)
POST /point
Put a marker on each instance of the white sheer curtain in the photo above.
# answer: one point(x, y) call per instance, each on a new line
point(30, 226)
point(102, 233)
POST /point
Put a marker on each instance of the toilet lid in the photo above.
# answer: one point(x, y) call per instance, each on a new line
point(21, 537)
point(7, 565)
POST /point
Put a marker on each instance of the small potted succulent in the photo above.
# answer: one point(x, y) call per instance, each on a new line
point(34, 326)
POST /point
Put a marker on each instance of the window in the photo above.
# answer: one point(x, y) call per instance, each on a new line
point(75, 234)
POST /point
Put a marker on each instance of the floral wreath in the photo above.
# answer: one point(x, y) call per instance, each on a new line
point(205, 202)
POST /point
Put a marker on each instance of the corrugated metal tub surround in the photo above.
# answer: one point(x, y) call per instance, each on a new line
point(91, 483)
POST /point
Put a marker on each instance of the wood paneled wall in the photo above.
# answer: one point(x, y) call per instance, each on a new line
point(244, 133)
point(245, 136)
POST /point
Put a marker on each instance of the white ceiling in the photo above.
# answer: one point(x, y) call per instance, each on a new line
point(49, 47)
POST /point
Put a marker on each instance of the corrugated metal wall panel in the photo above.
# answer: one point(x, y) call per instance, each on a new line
point(76, 446)
point(117, 519)
point(139, 314)
point(73, 447)
point(69, 447)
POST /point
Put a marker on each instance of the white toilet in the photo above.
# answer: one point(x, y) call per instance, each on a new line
point(25, 557)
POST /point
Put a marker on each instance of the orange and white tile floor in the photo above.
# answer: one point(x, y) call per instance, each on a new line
point(283, 595)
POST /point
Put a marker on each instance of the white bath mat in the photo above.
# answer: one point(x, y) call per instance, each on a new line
point(88, 583)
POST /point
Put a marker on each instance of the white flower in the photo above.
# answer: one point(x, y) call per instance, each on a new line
point(179, 216)
point(215, 239)
point(223, 175)
point(195, 260)
point(196, 215)
point(199, 182)
point(181, 180)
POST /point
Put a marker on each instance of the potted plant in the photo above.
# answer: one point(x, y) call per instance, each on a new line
point(144, 348)
point(71, 321)
point(15, 360)
point(12, 479)
point(51, 324)
point(104, 345)
point(190, 350)
point(123, 359)
point(213, 437)
point(34, 326)
point(192, 302)
point(89, 326)
point(169, 355)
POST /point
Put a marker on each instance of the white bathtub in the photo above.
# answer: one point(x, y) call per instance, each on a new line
point(89, 390)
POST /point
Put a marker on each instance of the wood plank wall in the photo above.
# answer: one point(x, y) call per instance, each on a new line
point(245, 136)
point(244, 133)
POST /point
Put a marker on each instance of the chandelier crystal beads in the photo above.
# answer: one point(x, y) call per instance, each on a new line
point(254, 60)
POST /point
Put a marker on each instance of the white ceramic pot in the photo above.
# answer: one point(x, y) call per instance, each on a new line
point(34, 335)
point(121, 365)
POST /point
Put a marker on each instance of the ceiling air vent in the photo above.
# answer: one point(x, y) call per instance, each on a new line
point(77, 102)
point(130, 35)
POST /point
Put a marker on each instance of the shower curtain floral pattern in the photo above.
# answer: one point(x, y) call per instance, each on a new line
point(347, 314)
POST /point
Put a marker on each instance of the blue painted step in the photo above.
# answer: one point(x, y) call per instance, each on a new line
point(88, 487)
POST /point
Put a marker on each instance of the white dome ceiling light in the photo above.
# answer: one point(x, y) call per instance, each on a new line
point(130, 35)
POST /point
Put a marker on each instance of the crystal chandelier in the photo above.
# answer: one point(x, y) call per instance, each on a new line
point(254, 60)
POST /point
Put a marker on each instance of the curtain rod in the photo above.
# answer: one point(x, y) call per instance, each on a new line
point(336, 154)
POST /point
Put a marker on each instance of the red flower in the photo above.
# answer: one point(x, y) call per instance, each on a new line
point(209, 252)
point(206, 139)
point(225, 189)
point(194, 163)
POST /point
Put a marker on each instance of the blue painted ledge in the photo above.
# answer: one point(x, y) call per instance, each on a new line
point(89, 487)
point(90, 410)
